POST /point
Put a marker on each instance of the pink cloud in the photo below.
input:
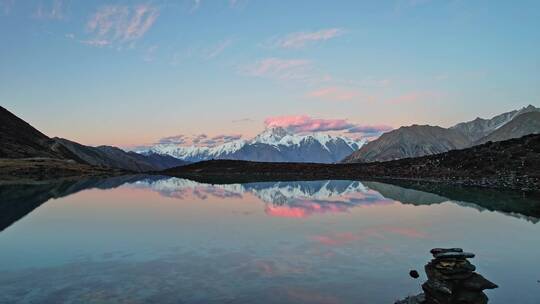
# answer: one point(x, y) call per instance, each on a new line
point(304, 123)
point(285, 211)
point(304, 208)
point(120, 24)
point(302, 39)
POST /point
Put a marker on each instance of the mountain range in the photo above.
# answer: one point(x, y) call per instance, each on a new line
point(417, 141)
point(272, 145)
point(20, 140)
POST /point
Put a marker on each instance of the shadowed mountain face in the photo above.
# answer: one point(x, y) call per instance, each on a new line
point(20, 140)
point(294, 199)
point(107, 156)
point(413, 141)
point(416, 141)
point(524, 124)
point(479, 128)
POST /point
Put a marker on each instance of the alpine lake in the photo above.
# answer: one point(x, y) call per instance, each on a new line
point(153, 239)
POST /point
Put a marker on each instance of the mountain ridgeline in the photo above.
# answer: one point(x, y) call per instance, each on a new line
point(417, 141)
point(509, 164)
point(272, 145)
point(22, 141)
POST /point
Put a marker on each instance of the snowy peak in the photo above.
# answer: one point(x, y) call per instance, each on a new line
point(271, 136)
point(273, 144)
point(280, 137)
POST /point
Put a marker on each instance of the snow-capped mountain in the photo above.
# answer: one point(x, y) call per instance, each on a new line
point(283, 199)
point(272, 145)
point(269, 192)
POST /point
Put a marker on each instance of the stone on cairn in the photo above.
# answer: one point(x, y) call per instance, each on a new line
point(451, 280)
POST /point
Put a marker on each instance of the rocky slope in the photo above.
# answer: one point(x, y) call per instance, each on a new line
point(272, 145)
point(415, 141)
point(480, 127)
point(412, 141)
point(20, 140)
point(524, 124)
point(107, 156)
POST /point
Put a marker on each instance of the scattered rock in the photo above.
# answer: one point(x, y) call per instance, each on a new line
point(414, 274)
point(451, 280)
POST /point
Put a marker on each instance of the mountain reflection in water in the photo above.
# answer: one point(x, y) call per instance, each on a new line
point(142, 239)
point(286, 199)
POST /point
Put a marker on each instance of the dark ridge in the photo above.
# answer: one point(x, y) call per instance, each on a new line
point(510, 164)
point(19, 140)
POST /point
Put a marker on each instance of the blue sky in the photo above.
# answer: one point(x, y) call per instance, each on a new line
point(131, 72)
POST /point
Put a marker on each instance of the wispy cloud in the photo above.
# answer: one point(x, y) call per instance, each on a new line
point(218, 49)
point(279, 68)
point(335, 94)
point(116, 24)
point(305, 123)
point(54, 10)
point(176, 139)
point(196, 4)
point(302, 39)
point(199, 139)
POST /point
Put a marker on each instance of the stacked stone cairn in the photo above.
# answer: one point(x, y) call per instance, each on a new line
point(451, 280)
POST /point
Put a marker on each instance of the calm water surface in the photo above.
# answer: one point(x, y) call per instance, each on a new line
point(168, 240)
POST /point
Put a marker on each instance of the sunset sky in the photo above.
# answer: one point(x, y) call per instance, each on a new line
point(130, 73)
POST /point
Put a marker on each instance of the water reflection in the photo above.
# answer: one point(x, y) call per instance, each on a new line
point(283, 199)
point(148, 239)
